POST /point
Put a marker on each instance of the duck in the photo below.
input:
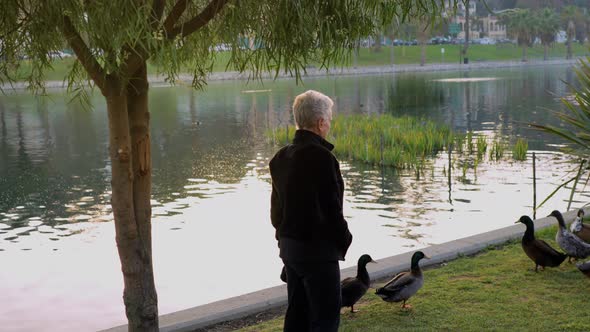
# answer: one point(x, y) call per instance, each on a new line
point(353, 288)
point(405, 284)
point(579, 228)
point(584, 268)
point(573, 246)
point(538, 250)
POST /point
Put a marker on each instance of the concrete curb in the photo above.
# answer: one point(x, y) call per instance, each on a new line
point(270, 298)
point(315, 72)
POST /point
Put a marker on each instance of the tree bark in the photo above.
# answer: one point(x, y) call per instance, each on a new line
point(129, 150)
point(524, 53)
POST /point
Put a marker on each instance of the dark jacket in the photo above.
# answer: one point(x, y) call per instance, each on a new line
point(306, 201)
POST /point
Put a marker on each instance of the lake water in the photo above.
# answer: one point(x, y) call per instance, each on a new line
point(212, 237)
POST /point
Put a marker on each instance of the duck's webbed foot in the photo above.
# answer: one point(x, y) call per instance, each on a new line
point(406, 306)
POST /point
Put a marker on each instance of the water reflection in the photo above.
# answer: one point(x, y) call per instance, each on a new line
point(211, 185)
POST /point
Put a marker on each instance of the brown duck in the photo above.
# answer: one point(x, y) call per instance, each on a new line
point(538, 250)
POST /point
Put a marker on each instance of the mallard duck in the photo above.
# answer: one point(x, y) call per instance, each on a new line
point(353, 288)
point(584, 268)
point(573, 246)
point(538, 250)
point(405, 284)
point(579, 229)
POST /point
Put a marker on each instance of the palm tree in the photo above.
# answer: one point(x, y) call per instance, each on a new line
point(577, 116)
point(547, 24)
point(520, 25)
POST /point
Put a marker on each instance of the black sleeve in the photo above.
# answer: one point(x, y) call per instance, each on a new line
point(330, 191)
point(276, 211)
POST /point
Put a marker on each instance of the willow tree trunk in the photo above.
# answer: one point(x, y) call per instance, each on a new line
point(545, 52)
point(422, 53)
point(392, 53)
point(571, 30)
point(524, 53)
point(129, 149)
point(377, 43)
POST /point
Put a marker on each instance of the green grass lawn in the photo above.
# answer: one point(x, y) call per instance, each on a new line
point(368, 57)
point(475, 53)
point(496, 290)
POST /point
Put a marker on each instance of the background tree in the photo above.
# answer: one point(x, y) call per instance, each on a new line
point(114, 39)
point(422, 34)
point(568, 15)
point(467, 27)
point(520, 25)
point(547, 24)
point(377, 42)
point(581, 24)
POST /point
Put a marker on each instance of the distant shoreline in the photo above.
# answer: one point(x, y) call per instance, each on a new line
point(159, 80)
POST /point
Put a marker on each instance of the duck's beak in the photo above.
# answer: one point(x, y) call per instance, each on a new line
point(374, 262)
point(426, 256)
point(516, 222)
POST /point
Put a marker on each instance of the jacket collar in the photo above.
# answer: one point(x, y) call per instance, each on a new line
point(305, 136)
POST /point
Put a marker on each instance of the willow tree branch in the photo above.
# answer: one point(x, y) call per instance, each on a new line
point(157, 12)
point(138, 54)
point(175, 14)
point(198, 21)
point(83, 53)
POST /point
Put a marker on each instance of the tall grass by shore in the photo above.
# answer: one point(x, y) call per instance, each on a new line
point(520, 149)
point(403, 142)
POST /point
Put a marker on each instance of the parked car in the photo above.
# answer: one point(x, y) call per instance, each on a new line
point(59, 54)
point(487, 41)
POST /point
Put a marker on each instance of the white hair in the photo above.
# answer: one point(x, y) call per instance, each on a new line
point(309, 107)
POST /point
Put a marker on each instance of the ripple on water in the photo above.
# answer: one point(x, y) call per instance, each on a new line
point(197, 180)
point(35, 222)
point(81, 217)
point(369, 206)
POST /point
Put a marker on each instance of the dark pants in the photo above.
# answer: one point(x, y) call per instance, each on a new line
point(314, 297)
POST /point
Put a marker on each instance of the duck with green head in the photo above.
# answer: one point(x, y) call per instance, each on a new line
point(353, 288)
point(538, 250)
point(405, 284)
point(573, 246)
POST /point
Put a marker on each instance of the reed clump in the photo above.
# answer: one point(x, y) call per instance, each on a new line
point(520, 149)
point(404, 142)
point(401, 142)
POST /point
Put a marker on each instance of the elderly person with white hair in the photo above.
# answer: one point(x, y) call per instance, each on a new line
point(306, 211)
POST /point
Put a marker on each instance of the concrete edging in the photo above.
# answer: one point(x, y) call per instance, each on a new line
point(270, 298)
